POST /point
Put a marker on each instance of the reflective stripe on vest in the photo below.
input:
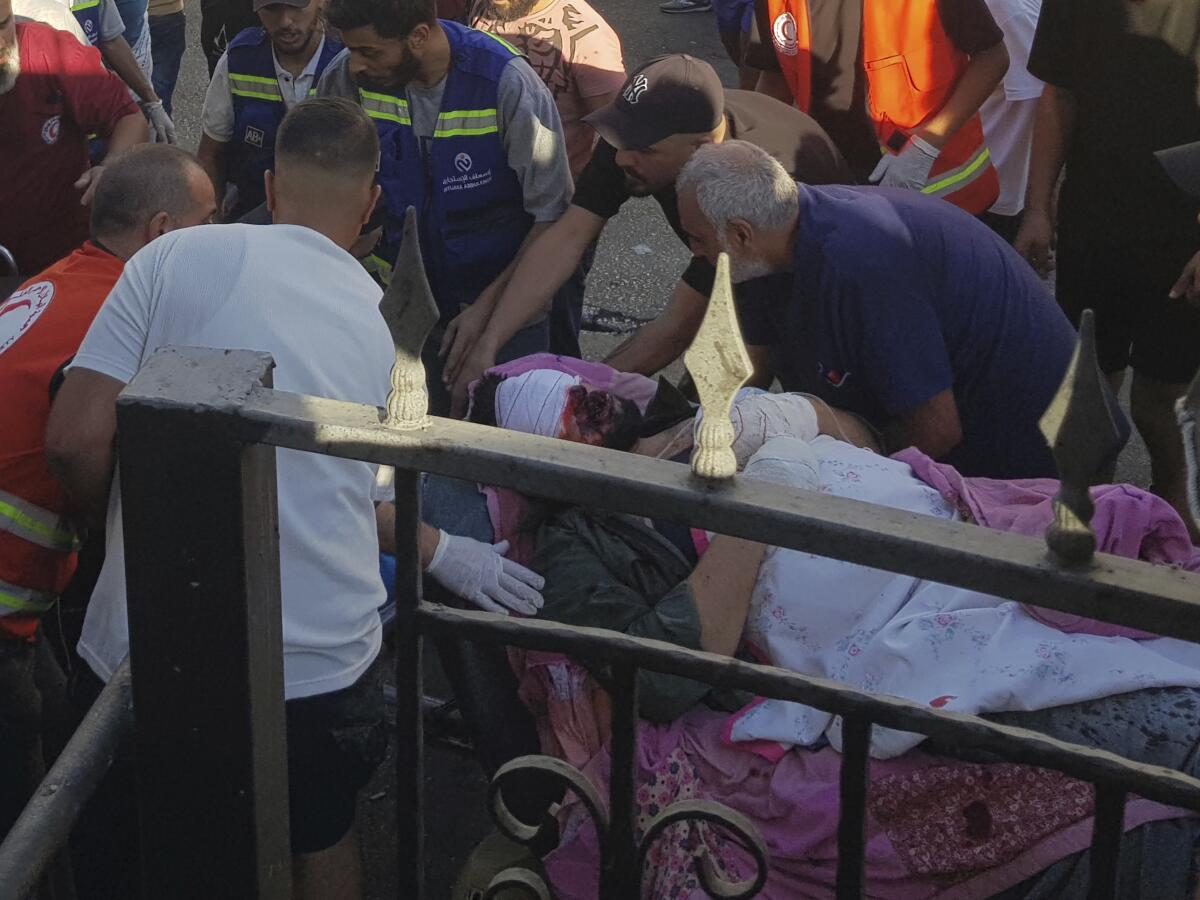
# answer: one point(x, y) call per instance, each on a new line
point(385, 107)
point(34, 524)
point(255, 86)
point(954, 179)
point(22, 601)
point(456, 122)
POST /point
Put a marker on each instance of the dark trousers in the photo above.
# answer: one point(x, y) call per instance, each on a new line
point(168, 36)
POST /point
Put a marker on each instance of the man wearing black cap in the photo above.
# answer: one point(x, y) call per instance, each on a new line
point(263, 74)
point(666, 110)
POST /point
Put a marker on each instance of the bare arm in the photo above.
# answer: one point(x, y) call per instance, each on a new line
point(983, 73)
point(933, 427)
point(545, 266)
point(722, 585)
point(385, 524)
point(212, 158)
point(127, 132)
point(81, 442)
point(1053, 126)
point(120, 59)
point(545, 262)
point(659, 343)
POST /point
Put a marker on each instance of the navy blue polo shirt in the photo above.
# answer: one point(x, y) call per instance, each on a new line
point(894, 298)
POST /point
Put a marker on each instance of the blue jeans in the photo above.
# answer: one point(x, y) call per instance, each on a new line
point(168, 37)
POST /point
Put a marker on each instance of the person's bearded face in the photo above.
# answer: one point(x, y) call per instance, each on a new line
point(377, 63)
point(506, 10)
point(10, 52)
point(10, 68)
point(601, 419)
point(742, 267)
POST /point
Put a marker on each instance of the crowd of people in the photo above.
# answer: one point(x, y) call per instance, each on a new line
point(891, 182)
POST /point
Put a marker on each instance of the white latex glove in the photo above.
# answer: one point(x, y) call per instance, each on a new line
point(161, 126)
point(759, 417)
point(480, 574)
point(909, 169)
point(786, 461)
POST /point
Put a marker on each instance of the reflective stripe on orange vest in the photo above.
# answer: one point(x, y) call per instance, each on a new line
point(36, 525)
point(912, 68)
point(22, 601)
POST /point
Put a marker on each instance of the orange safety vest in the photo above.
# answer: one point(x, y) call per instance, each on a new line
point(41, 327)
point(912, 67)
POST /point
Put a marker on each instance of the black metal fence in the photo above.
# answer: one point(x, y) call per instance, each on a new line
point(198, 426)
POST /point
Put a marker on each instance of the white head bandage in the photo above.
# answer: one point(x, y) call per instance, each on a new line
point(534, 402)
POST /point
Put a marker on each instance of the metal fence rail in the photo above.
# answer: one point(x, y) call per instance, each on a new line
point(215, 401)
point(199, 428)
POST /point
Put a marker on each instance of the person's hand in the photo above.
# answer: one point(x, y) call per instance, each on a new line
point(462, 334)
point(477, 362)
point(1187, 288)
point(480, 574)
point(161, 126)
point(87, 183)
point(760, 417)
point(1035, 240)
point(909, 169)
point(786, 461)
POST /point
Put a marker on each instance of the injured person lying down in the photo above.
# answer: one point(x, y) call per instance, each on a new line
point(999, 830)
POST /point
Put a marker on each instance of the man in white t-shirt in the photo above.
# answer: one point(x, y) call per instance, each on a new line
point(1007, 114)
point(293, 290)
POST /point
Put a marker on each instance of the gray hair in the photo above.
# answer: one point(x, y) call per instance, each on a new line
point(139, 184)
point(737, 180)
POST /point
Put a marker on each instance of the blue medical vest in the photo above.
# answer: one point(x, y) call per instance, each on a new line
point(87, 14)
point(258, 108)
point(469, 202)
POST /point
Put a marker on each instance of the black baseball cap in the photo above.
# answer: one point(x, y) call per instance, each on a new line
point(1182, 163)
point(675, 94)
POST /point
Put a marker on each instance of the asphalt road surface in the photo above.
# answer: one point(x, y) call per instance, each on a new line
point(638, 262)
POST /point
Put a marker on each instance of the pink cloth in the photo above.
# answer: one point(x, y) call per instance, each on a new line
point(1017, 820)
point(1128, 522)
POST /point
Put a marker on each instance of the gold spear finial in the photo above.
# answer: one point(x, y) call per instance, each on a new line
point(719, 365)
point(409, 309)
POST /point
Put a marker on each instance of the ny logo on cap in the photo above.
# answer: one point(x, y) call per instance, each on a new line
point(635, 89)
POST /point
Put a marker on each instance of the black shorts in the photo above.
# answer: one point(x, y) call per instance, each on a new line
point(1137, 324)
point(335, 742)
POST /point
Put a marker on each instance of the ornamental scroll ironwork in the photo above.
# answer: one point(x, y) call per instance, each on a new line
point(719, 365)
point(1187, 412)
point(410, 311)
point(712, 881)
point(1081, 425)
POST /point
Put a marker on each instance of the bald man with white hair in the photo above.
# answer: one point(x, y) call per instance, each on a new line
point(901, 309)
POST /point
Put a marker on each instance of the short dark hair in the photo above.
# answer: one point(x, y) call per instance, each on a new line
point(390, 18)
point(483, 399)
point(329, 133)
point(140, 183)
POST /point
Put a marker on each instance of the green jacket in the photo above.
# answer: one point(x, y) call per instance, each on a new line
point(605, 570)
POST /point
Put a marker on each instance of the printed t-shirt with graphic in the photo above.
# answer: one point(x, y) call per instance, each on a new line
point(578, 57)
point(41, 327)
point(787, 134)
point(896, 298)
point(316, 311)
point(62, 95)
